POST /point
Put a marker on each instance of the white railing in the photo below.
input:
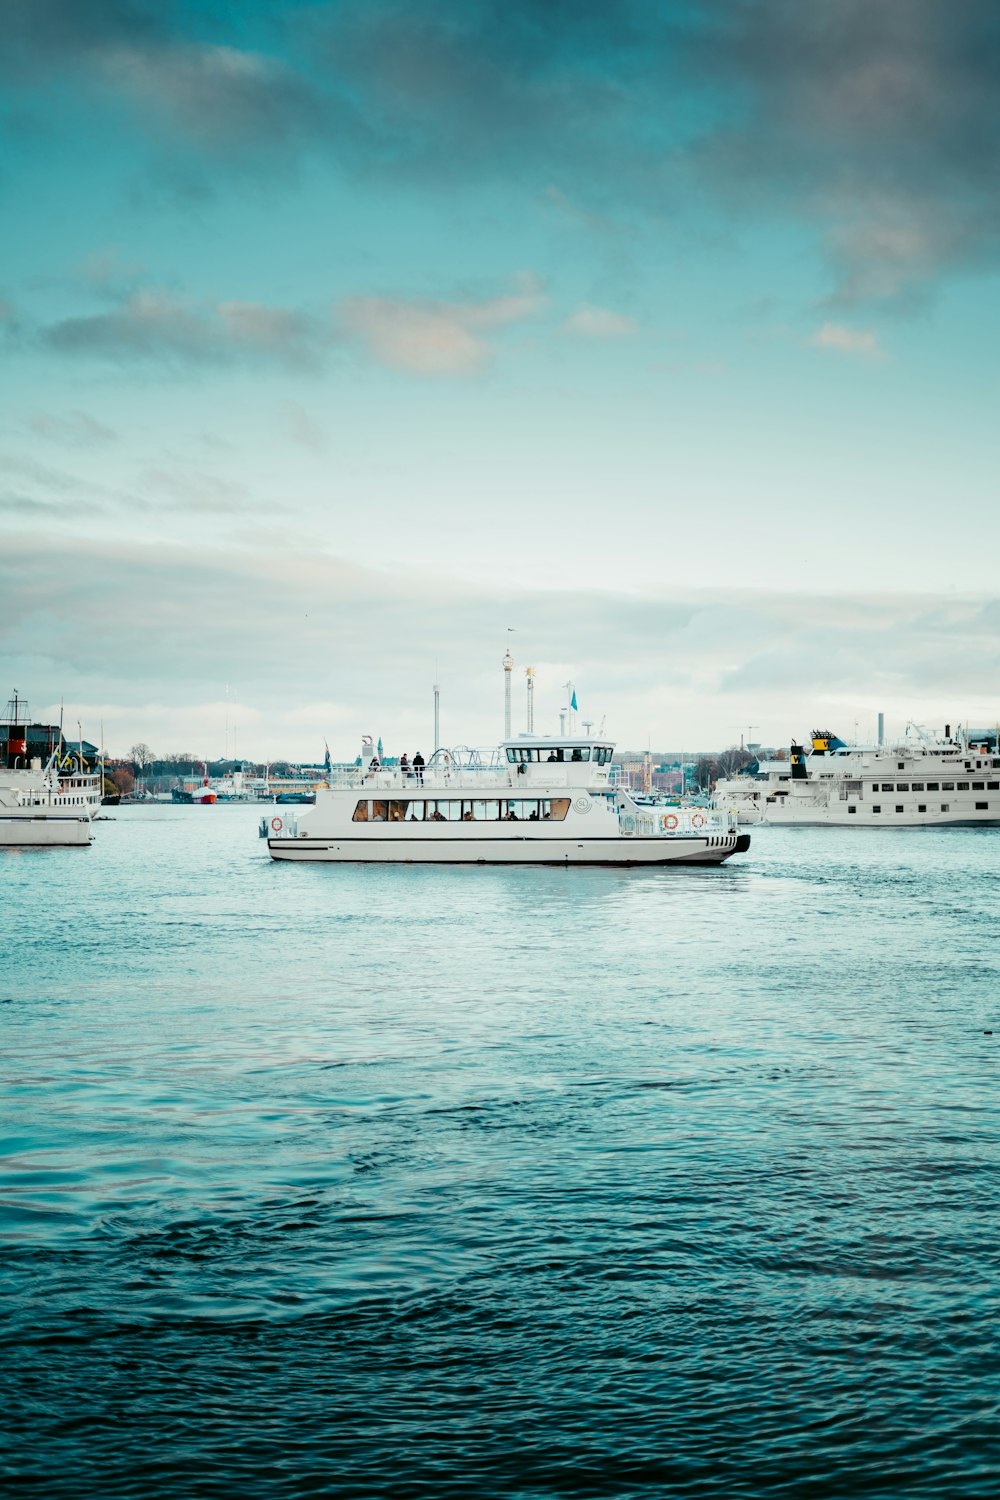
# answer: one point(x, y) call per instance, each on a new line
point(677, 822)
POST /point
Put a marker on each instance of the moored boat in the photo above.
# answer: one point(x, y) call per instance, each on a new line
point(43, 804)
point(919, 781)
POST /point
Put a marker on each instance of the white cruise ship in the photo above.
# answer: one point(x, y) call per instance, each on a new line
point(537, 800)
point(919, 781)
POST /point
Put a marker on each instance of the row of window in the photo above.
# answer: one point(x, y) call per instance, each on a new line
point(922, 807)
point(453, 810)
point(558, 754)
point(938, 786)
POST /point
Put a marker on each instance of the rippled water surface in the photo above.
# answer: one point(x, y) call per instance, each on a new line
point(429, 1182)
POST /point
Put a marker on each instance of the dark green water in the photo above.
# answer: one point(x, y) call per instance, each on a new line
point(402, 1182)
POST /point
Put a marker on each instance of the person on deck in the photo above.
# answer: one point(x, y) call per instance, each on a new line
point(418, 767)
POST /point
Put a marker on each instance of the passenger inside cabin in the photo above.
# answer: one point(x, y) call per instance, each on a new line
point(469, 817)
point(578, 755)
point(552, 755)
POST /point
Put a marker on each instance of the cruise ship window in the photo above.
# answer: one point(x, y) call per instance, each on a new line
point(887, 786)
point(933, 786)
point(918, 786)
point(993, 786)
point(922, 807)
point(852, 809)
point(982, 806)
point(947, 786)
point(899, 807)
point(979, 786)
point(963, 786)
point(876, 809)
point(945, 806)
point(902, 786)
point(361, 813)
point(900, 765)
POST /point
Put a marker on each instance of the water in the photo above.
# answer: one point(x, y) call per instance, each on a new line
point(426, 1182)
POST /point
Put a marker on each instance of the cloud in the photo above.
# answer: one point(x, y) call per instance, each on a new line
point(600, 323)
point(846, 340)
point(158, 326)
point(70, 429)
point(436, 338)
point(686, 667)
point(877, 127)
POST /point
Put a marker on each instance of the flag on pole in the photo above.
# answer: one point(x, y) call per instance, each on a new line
point(572, 701)
point(327, 766)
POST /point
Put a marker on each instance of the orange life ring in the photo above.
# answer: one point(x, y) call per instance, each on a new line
point(669, 820)
point(697, 821)
point(276, 825)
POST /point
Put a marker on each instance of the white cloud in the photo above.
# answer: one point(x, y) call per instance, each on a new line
point(435, 337)
point(600, 323)
point(846, 340)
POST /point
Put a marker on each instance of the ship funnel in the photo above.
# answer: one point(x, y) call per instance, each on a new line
point(797, 756)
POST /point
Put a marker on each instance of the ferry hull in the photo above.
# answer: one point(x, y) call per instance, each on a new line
point(708, 850)
point(49, 832)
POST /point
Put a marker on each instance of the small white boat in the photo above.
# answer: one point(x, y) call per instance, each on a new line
point(537, 800)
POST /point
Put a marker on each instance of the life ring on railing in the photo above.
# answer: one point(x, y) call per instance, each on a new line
point(668, 821)
point(276, 825)
point(697, 821)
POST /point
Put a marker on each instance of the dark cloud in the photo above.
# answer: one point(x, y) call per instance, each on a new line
point(162, 328)
point(877, 126)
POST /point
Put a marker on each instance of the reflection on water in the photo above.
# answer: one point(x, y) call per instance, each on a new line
point(375, 1181)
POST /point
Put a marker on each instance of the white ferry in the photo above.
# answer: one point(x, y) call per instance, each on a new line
point(537, 800)
point(42, 805)
point(918, 782)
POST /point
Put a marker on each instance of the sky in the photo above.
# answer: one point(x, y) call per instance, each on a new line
point(346, 345)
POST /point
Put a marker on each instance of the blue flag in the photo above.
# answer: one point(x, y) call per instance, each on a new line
point(326, 763)
point(572, 701)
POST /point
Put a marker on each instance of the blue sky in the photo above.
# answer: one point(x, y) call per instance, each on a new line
point(337, 338)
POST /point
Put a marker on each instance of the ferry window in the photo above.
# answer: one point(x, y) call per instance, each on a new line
point(922, 807)
point(557, 809)
point(581, 753)
point(979, 786)
point(876, 809)
point(947, 786)
point(555, 754)
point(918, 786)
point(380, 812)
point(887, 786)
point(933, 786)
point(899, 807)
point(900, 765)
point(512, 755)
point(852, 809)
point(417, 811)
point(361, 813)
point(982, 806)
point(963, 786)
point(945, 806)
point(902, 786)
point(993, 786)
